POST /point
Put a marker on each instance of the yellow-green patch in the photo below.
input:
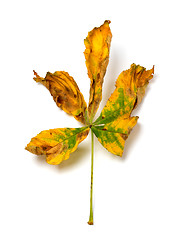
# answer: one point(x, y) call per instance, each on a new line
point(113, 135)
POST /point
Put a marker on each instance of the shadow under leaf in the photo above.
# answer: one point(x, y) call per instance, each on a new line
point(74, 159)
point(131, 139)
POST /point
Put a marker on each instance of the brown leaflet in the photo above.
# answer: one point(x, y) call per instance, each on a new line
point(65, 93)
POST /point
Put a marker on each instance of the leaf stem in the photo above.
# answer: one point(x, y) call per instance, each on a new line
point(90, 222)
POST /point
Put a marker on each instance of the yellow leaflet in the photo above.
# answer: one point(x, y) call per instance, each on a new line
point(97, 45)
point(65, 93)
point(130, 89)
point(57, 144)
point(113, 135)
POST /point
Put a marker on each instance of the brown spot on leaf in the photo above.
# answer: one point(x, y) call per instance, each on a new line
point(124, 136)
point(59, 100)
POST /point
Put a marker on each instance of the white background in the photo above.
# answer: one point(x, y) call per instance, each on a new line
point(136, 196)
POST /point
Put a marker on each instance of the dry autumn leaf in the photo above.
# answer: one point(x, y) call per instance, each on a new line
point(115, 122)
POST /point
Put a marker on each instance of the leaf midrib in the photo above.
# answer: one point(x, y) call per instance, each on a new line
point(105, 130)
point(84, 128)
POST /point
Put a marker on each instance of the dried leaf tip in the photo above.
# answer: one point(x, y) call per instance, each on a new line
point(35, 73)
point(37, 78)
point(107, 21)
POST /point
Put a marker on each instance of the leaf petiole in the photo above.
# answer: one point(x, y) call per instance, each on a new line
point(90, 222)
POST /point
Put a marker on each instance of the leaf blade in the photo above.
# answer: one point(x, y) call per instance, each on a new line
point(129, 92)
point(115, 122)
point(97, 45)
point(57, 144)
point(65, 93)
point(113, 135)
